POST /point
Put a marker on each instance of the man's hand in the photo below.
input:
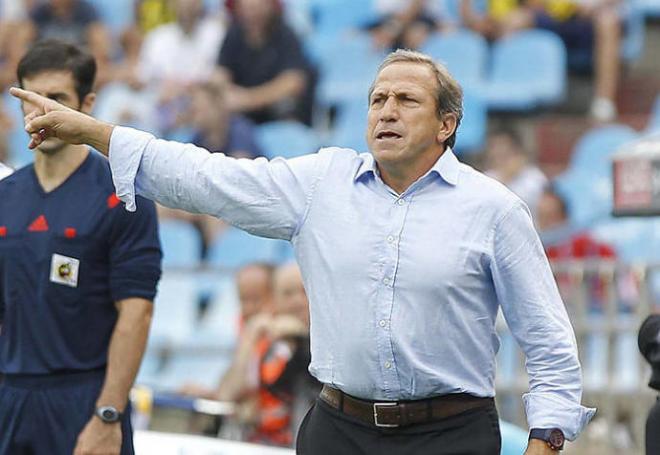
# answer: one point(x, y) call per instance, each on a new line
point(49, 118)
point(538, 447)
point(98, 438)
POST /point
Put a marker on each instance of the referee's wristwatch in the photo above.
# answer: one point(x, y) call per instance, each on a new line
point(554, 437)
point(108, 414)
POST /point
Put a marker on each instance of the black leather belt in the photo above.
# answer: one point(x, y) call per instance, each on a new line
point(393, 414)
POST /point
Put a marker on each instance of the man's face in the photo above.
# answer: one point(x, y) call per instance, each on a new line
point(254, 291)
point(403, 124)
point(255, 13)
point(549, 212)
point(290, 296)
point(499, 151)
point(58, 86)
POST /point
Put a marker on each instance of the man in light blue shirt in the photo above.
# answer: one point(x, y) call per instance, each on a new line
point(406, 254)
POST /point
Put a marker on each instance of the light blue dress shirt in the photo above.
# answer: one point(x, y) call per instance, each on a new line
point(404, 289)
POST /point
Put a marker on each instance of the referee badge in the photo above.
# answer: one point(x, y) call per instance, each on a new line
point(64, 270)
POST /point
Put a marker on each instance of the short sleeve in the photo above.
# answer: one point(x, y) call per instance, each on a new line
point(135, 253)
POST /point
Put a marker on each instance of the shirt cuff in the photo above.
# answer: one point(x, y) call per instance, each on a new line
point(127, 146)
point(548, 410)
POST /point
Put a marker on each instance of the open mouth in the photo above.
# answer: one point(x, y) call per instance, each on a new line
point(388, 135)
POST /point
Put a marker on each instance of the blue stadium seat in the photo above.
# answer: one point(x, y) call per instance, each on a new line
point(175, 308)
point(634, 239)
point(587, 183)
point(528, 71)
point(471, 133)
point(351, 125)
point(650, 8)
point(194, 365)
point(181, 243)
point(347, 66)
point(17, 138)
point(235, 248)
point(595, 148)
point(653, 125)
point(115, 14)
point(287, 139)
point(336, 16)
point(463, 52)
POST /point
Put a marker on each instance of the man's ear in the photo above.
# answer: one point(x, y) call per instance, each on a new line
point(88, 103)
point(447, 127)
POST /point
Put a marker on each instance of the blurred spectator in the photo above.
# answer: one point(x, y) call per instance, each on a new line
point(405, 23)
point(179, 53)
point(215, 128)
point(508, 162)
point(563, 243)
point(268, 378)
point(272, 80)
point(16, 33)
point(286, 389)
point(590, 28)
point(149, 14)
point(649, 345)
point(78, 22)
point(255, 294)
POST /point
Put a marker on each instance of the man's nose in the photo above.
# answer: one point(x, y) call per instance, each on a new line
point(390, 110)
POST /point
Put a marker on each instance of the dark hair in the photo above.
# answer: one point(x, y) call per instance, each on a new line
point(510, 133)
point(56, 55)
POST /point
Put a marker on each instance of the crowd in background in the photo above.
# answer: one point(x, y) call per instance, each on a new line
point(210, 72)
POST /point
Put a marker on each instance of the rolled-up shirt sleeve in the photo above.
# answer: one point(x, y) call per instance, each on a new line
point(537, 318)
point(266, 198)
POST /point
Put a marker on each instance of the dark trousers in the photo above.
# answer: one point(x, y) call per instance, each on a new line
point(327, 431)
point(653, 430)
point(43, 415)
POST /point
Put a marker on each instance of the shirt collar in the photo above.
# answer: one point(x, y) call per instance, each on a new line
point(446, 167)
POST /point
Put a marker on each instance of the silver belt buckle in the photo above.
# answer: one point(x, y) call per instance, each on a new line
point(383, 425)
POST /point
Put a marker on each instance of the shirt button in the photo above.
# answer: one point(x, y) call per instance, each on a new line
point(386, 281)
point(388, 365)
point(400, 202)
point(390, 238)
point(382, 323)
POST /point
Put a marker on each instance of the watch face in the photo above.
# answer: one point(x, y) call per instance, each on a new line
point(556, 438)
point(108, 414)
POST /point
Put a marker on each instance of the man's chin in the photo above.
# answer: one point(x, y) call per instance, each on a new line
point(51, 146)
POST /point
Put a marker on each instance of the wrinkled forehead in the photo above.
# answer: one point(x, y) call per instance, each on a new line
point(405, 76)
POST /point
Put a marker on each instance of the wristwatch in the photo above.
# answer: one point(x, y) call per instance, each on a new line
point(108, 414)
point(554, 437)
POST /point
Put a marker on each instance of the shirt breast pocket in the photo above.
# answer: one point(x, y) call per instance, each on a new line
point(67, 269)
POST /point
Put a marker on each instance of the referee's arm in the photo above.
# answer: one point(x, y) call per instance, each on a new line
point(127, 346)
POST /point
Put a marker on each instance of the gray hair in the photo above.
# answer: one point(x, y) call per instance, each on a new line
point(449, 97)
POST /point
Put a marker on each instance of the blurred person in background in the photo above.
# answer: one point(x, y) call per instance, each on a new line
point(254, 283)
point(648, 341)
point(217, 129)
point(77, 22)
point(268, 377)
point(78, 274)
point(406, 23)
point(148, 15)
point(286, 388)
point(591, 28)
point(508, 162)
point(367, 229)
point(154, 93)
point(271, 79)
point(564, 243)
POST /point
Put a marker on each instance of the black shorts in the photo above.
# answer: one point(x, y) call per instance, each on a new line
point(43, 415)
